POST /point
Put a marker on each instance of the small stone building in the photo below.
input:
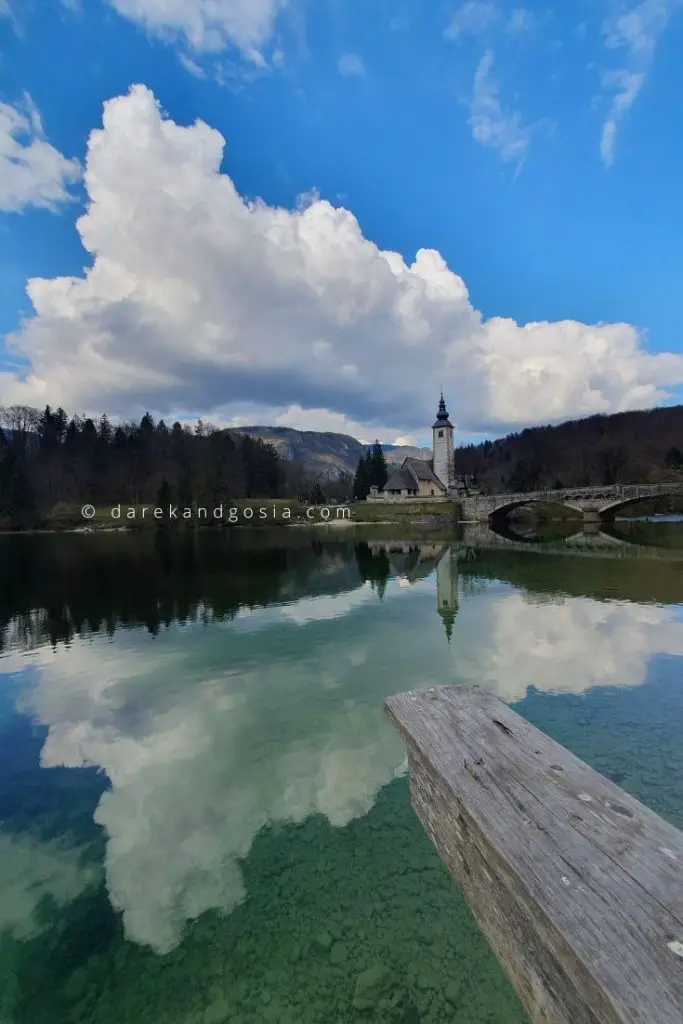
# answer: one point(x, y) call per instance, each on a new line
point(414, 479)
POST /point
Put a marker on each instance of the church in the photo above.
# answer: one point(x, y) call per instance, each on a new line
point(432, 480)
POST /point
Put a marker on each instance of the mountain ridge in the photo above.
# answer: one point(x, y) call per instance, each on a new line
point(325, 453)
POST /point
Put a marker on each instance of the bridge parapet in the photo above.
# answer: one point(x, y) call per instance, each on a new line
point(592, 502)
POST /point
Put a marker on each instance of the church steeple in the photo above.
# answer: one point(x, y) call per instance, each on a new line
point(442, 419)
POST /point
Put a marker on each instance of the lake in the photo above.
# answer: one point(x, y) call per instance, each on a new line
point(204, 812)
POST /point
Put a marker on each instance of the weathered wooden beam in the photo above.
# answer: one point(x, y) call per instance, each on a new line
point(577, 886)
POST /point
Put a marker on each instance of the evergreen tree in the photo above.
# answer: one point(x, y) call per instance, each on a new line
point(317, 497)
point(378, 474)
point(674, 459)
point(17, 501)
point(164, 496)
point(361, 482)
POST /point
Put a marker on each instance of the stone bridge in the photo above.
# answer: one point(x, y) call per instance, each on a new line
point(594, 504)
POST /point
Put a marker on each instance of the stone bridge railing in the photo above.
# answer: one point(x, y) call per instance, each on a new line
point(594, 503)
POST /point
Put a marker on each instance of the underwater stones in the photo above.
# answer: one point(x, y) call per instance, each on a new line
point(76, 985)
point(428, 980)
point(453, 993)
point(218, 1013)
point(338, 953)
point(372, 986)
point(323, 940)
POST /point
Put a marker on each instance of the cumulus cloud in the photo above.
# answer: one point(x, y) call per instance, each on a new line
point(32, 172)
point(350, 64)
point(200, 301)
point(632, 30)
point(206, 25)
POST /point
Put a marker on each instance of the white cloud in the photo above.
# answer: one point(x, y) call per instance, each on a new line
point(32, 172)
point(191, 66)
point(473, 18)
point(206, 25)
point(633, 31)
point(351, 64)
point(491, 124)
point(198, 302)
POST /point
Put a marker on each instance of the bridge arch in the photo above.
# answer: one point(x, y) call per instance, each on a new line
point(609, 511)
point(519, 501)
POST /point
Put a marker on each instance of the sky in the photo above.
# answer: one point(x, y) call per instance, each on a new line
point(321, 214)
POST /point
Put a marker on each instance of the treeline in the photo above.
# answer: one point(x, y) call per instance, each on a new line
point(371, 471)
point(631, 447)
point(48, 460)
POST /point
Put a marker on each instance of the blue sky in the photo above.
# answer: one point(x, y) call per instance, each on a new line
point(534, 152)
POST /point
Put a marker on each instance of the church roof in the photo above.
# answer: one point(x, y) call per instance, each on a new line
point(409, 474)
point(420, 469)
point(400, 479)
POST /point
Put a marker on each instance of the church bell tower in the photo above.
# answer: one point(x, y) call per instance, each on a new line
point(442, 446)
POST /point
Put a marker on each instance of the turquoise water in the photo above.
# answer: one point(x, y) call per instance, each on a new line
point(204, 813)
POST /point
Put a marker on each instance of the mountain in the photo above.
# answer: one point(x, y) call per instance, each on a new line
point(323, 453)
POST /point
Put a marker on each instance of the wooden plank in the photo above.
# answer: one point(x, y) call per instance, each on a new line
point(577, 886)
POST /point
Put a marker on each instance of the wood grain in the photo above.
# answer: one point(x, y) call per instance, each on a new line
point(577, 886)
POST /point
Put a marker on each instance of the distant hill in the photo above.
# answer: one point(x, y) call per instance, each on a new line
point(323, 453)
point(630, 447)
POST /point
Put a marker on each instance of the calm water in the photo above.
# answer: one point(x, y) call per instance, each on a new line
point(204, 815)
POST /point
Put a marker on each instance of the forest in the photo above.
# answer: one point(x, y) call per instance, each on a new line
point(626, 448)
point(51, 464)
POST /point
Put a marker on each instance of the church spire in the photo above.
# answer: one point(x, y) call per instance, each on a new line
point(442, 419)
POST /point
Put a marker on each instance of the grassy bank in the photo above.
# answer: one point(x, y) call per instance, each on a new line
point(250, 513)
point(406, 512)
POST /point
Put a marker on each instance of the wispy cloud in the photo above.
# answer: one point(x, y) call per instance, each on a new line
point(491, 124)
point(350, 64)
point(473, 18)
point(191, 66)
point(521, 21)
point(633, 31)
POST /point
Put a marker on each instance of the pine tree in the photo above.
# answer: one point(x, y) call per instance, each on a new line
point(317, 496)
point(17, 501)
point(378, 466)
point(361, 482)
point(674, 459)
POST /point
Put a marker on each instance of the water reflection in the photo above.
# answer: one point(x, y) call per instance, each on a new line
point(259, 700)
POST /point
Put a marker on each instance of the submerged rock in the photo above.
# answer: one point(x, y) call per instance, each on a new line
point(323, 940)
point(373, 985)
point(338, 953)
